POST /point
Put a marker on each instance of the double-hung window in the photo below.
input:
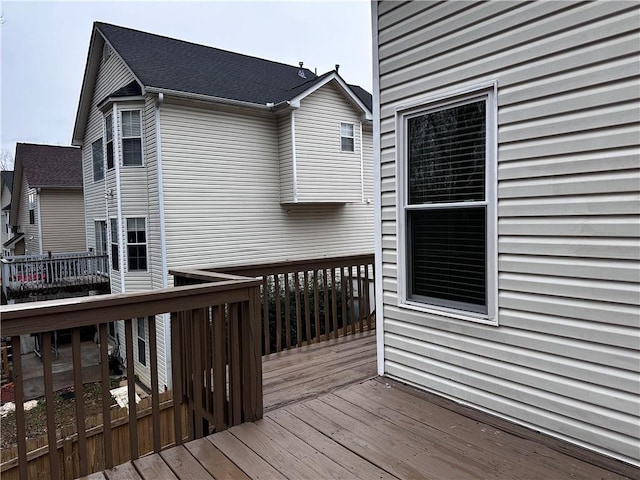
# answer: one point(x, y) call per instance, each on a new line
point(32, 209)
point(101, 237)
point(98, 160)
point(108, 135)
point(131, 138)
point(115, 244)
point(136, 244)
point(347, 138)
point(447, 211)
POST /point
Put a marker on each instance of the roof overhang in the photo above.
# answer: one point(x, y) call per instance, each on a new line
point(208, 98)
point(13, 241)
point(334, 77)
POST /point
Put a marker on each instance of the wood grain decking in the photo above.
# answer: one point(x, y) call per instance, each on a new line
point(326, 417)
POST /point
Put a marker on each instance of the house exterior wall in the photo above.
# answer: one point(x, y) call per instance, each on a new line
point(222, 196)
point(31, 231)
point(564, 356)
point(285, 156)
point(62, 218)
point(324, 173)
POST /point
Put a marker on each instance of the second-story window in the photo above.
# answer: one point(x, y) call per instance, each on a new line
point(347, 139)
point(131, 138)
point(115, 249)
point(108, 135)
point(32, 211)
point(136, 244)
point(98, 160)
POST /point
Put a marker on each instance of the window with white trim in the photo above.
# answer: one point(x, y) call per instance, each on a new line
point(97, 154)
point(101, 237)
point(136, 244)
point(347, 138)
point(115, 244)
point(131, 138)
point(447, 185)
point(142, 341)
point(108, 136)
point(32, 211)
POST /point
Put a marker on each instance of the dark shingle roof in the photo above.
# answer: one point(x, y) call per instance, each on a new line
point(171, 64)
point(7, 178)
point(50, 166)
point(364, 96)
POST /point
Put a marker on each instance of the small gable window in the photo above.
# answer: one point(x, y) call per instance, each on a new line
point(98, 160)
point(347, 141)
point(131, 138)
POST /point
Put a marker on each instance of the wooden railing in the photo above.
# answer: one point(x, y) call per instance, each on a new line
point(216, 368)
point(305, 301)
point(27, 274)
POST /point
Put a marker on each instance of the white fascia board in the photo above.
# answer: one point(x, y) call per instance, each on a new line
point(208, 98)
point(295, 102)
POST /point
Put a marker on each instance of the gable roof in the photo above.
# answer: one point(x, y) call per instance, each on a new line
point(163, 64)
point(49, 165)
point(7, 178)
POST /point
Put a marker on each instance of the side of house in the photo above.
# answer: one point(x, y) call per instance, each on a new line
point(6, 185)
point(508, 208)
point(47, 201)
point(178, 178)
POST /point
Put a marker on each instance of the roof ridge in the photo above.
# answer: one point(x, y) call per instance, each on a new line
point(96, 23)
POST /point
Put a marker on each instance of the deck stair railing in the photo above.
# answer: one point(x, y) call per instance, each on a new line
point(23, 275)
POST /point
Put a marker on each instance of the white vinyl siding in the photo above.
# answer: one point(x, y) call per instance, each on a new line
point(31, 233)
point(285, 156)
point(62, 217)
point(324, 173)
point(222, 196)
point(564, 359)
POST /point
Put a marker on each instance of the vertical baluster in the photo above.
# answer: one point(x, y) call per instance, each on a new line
point(219, 369)
point(106, 398)
point(197, 319)
point(79, 398)
point(155, 394)
point(131, 384)
point(287, 311)
point(235, 375)
point(251, 359)
point(352, 319)
point(54, 460)
point(178, 344)
point(334, 303)
point(265, 316)
point(360, 299)
point(326, 303)
point(296, 288)
point(276, 288)
point(307, 306)
point(367, 309)
point(207, 348)
point(317, 323)
point(343, 287)
point(21, 432)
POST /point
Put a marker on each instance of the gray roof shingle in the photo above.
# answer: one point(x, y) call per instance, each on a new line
point(171, 64)
point(50, 165)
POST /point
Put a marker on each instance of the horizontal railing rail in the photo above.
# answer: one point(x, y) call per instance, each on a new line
point(304, 301)
point(23, 275)
point(216, 368)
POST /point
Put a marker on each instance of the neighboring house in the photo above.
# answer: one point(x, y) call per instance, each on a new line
point(6, 185)
point(47, 209)
point(194, 155)
point(506, 137)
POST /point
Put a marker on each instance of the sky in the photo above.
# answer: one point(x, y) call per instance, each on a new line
point(44, 45)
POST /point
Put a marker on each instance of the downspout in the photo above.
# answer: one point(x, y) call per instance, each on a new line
point(166, 318)
point(293, 153)
point(361, 165)
point(116, 162)
point(377, 206)
point(41, 250)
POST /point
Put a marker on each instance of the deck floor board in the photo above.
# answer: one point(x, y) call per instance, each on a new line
point(328, 416)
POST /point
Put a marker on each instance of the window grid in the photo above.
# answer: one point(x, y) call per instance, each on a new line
point(131, 138)
point(136, 244)
point(108, 135)
point(347, 137)
point(115, 245)
point(142, 350)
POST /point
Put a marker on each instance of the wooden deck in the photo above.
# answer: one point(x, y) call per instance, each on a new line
point(327, 416)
